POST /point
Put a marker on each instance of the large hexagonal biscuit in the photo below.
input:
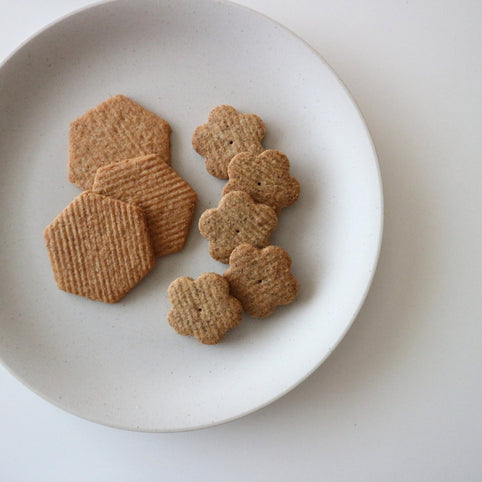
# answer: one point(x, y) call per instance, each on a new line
point(99, 247)
point(116, 129)
point(167, 200)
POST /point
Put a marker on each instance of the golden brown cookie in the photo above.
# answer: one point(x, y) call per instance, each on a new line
point(117, 129)
point(261, 279)
point(99, 247)
point(236, 220)
point(167, 200)
point(225, 134)
point(203, 307)
point(265, 177)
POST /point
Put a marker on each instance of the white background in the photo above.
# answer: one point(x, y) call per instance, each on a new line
point(400, 399)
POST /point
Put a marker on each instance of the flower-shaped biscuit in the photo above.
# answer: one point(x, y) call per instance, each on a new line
point(203, 307)
point(265, 177)
point(237, 220)
point(225, 134)
point(261, 279)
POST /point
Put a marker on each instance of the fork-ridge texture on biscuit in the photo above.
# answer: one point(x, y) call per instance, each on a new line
point(203, 307)
point(236, 220)
point(99, 247)
point(261, 279)
point(265, 177)
point(167, 200)
point(225, 134)
point(116, 129)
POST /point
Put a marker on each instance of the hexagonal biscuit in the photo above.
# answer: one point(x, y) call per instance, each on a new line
point(116, 129)
point(266, 178)
point(167, 200)
point(99, 247)
point(237, 220)
point(261, 279)
point(203, 307)
point(225, 134)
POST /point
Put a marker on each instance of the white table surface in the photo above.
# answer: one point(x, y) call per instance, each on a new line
point(400, 399)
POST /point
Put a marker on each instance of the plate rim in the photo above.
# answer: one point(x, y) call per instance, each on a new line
point(380, 208)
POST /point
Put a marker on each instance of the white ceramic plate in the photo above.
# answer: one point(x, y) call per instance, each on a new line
point(122, 365)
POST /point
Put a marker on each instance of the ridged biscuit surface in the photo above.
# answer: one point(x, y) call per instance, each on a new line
point(167, 200)
point(99, 247)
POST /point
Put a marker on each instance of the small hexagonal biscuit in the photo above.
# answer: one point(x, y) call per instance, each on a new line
point(167, 200)
point(225, 134)
point(266, 178)
point(116, 129)
point(237, 220)
point(203, 307)
point(261, 279)
point(99, 247)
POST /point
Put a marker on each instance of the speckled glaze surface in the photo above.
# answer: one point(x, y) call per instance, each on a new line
point(123, 365)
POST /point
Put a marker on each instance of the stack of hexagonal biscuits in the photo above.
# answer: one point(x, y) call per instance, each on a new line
point(134, 207)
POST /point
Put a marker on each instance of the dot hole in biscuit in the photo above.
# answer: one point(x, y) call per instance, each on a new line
point(231, 142)
point(259, 184)
point(199, 309)
point(237, 231)
point(260, 281)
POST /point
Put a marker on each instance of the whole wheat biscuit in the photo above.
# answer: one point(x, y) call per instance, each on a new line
point(261, 279)
point(225, 134)
point(265, 177)
point(203, 307)
point(99, 247)
point(167, 200)
point(236, 220)
point(116, 129)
